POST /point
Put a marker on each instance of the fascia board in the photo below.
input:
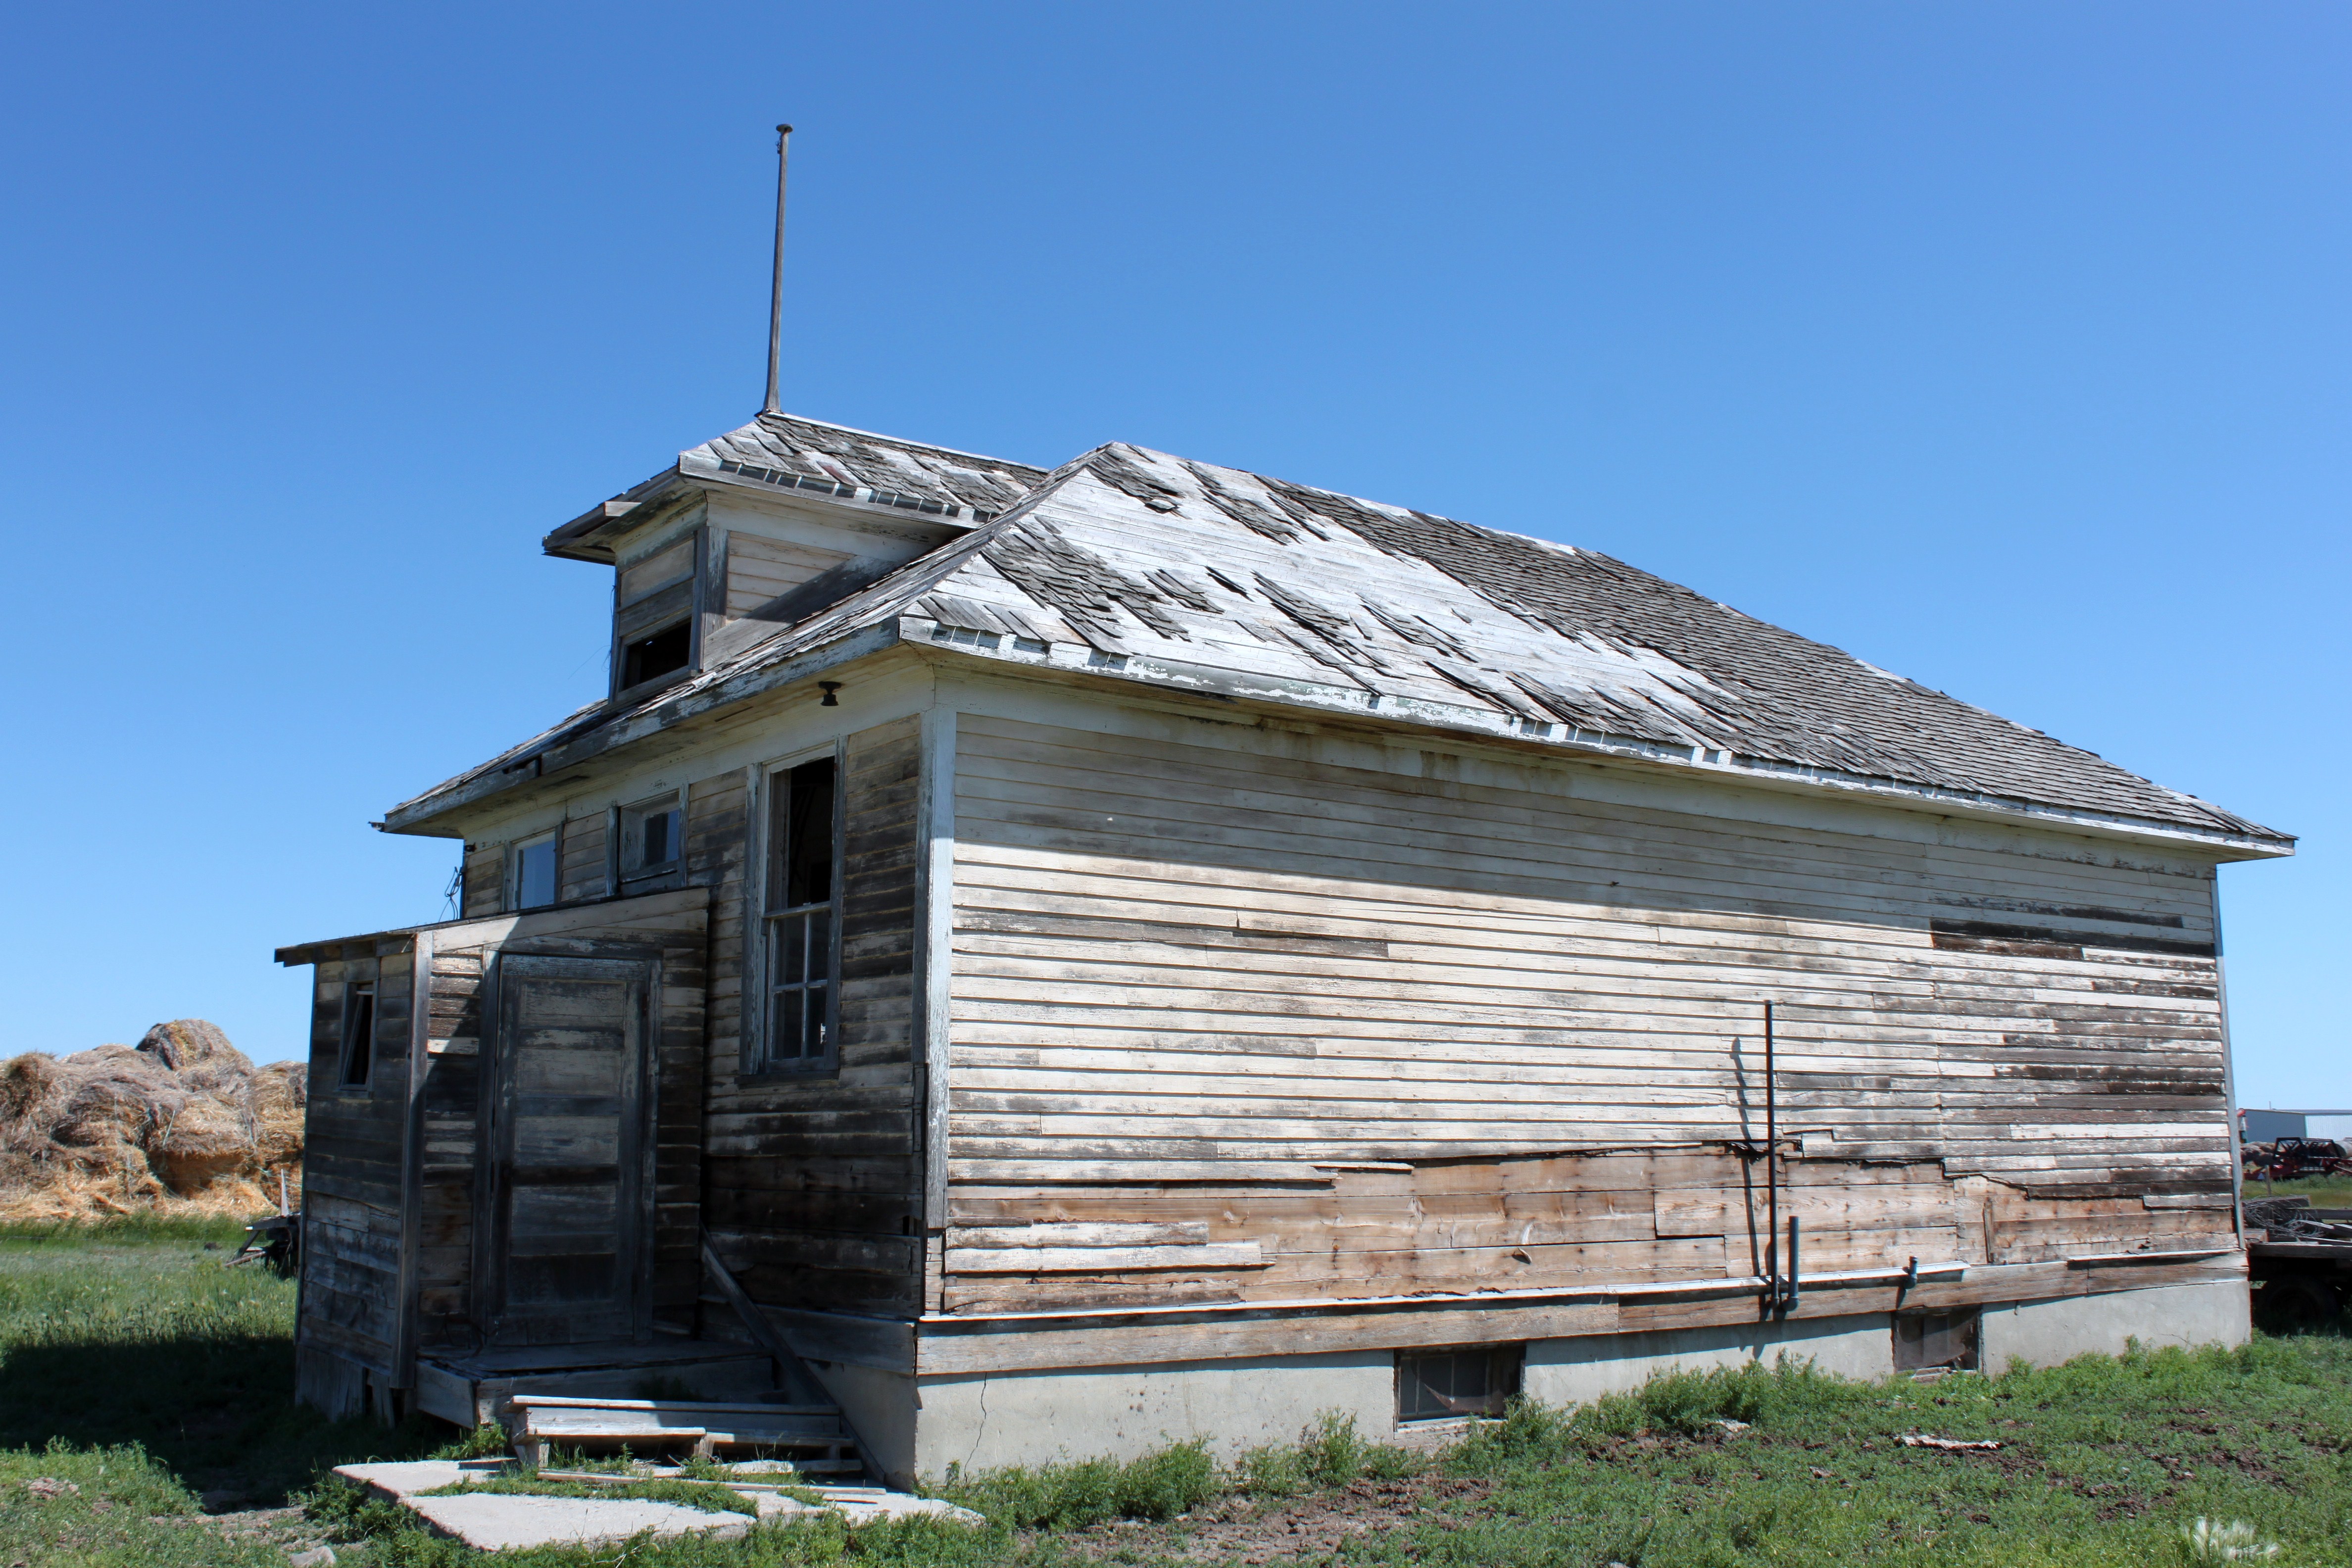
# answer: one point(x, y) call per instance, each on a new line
point(588, 536)
point(856, 505)
point(415, 816)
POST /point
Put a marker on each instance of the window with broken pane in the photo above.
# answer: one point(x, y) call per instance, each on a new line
point(651, 838)
point(1437, 1385)
point(358, 1063)
point(803, 846)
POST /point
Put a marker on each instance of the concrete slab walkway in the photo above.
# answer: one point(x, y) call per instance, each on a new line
point(493, 1521)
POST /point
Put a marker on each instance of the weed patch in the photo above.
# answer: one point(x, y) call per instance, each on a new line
point(1073, 1496)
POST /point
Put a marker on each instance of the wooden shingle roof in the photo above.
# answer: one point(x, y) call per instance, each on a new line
point(1149, 567)
point(834, 459)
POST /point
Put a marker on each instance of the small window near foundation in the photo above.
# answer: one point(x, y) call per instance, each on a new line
point(1444, 1385)
point(359, 1039)
point(1927, 1343)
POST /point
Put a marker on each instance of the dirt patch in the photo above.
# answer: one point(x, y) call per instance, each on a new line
point(1252, 1531)
point(182, 1123)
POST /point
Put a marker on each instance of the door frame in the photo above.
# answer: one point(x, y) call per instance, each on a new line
point(494, 1123)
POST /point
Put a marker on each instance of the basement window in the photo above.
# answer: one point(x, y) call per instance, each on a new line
point(1444, 1385)
point(1936, 1341)
point(656, 654)
point(358, 1057)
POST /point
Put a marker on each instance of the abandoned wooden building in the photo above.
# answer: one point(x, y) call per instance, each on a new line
point(1092, 957)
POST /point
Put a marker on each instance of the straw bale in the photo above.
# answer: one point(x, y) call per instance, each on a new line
point(182, 1123)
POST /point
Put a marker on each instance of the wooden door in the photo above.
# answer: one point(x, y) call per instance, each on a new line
point(566, 1183)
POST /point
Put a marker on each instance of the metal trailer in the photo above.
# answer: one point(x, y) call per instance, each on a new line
point(2300, 1258)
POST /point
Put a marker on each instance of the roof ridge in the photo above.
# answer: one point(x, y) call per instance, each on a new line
point(765, 415)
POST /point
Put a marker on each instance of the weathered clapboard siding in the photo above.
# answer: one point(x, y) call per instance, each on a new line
point(584, 872)
point(812, 1193)
point(357, 1146)
point(1188, 962)
point(484, 879)
point(351, 1168)
point(759, 568)
point(717, 857)
point(1540, 1222)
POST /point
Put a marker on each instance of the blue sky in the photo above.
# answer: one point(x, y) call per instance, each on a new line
point(2002, 345)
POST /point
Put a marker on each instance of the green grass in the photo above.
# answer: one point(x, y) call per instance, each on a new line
point(2325, 1192)
point(2106, 1461)
point(123, 1510)
point(1092, 1491)
point(709, 1496)
point(136, 1334)
point(137, 1373)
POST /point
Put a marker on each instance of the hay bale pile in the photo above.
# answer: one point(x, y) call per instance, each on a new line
point(181, 1123)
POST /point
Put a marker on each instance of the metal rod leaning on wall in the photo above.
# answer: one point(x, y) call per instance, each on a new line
point(1789, 1296)
point(1771, 1174)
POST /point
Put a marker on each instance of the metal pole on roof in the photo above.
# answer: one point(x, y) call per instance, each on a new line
point(776, 285)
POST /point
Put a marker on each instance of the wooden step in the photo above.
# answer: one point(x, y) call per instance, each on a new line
point(470, 1389)
point(811, 1437)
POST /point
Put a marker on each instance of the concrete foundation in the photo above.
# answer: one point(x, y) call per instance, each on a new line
point(2045, 1333)
point(1029, 1418)
point(923, 1426)
point(1574, 1371)
point(881, 1408)
point(1034, 1418)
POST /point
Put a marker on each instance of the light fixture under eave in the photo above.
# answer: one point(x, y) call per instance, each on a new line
point(829, 688)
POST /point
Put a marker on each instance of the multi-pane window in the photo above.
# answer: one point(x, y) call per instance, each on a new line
point(800, 915)
point(358, 1062)
point(534, 873)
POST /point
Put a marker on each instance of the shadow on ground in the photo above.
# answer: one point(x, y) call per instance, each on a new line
point(219, 1411)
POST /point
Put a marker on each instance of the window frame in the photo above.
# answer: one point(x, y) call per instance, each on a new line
point(656, 610)
point(1510, 1356)
point(553, 839)
point(627, 880)
point(759, 1059)
point(354, 993)
point(683, 625)
point(1957, 1330)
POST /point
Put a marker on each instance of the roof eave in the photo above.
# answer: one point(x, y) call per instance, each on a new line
point(417, 815)
point(589, 537)
point(851, 500)
point(1354, 703)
